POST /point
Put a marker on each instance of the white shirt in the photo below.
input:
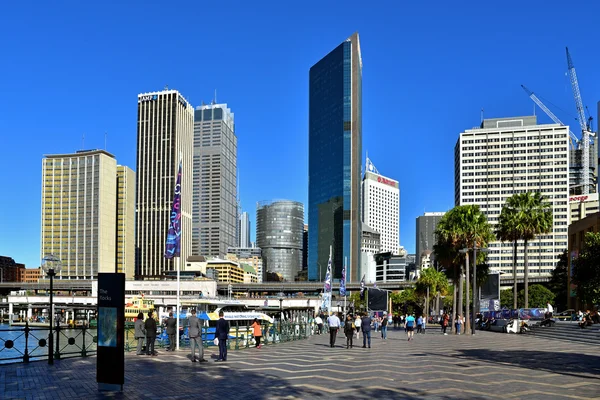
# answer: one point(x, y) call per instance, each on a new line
point(333, 321)
point(357, 322)
point(318, 320)
point(550, 308)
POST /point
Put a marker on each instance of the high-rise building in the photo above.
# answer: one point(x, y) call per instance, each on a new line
point(335, 160)
point(164, 134)
point(85, 211)
point(125, 221)
point(215, 184)
point(279, 228)
point(244, 230)
point(381, 207)
point(426, 226)
point(305, 250)
point(516, 155)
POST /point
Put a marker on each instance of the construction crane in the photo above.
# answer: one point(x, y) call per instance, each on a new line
point(584, 123)
point(573, 139)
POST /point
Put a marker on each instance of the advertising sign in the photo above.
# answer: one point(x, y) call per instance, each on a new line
point(110, 363)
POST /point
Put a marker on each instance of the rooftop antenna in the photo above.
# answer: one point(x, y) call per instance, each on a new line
point(104, 140)
point(215, 96)
point(166, 87)
point(482, 115)
point(83, 141)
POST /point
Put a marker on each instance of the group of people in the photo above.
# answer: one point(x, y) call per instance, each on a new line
point(146, 331)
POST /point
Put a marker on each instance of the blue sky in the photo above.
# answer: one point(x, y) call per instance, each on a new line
point(75, 68)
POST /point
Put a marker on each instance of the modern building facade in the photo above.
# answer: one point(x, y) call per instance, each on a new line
point(305, 250)
point(279, 229)
point(581, 206)
point(516, 155)
point(335, 160)
point(426, 226)
point(31, 275)
point(80, 209)
point(125, 256)
point(244, 230)
point(215, 181)
point(390, 267)
point(381, 207)
point(164, 134)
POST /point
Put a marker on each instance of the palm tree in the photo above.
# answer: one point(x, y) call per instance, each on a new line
point(506, 230)
point(527, 215)
point(436, 281)
point(461, 227)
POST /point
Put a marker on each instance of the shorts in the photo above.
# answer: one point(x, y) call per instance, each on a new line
point(410, 328)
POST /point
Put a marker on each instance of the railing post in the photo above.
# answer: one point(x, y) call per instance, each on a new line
point(83, 350)
point(57, 348)
point(237, 336)
point(26, 355)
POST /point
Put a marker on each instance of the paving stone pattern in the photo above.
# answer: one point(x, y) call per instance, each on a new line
point(432, 366)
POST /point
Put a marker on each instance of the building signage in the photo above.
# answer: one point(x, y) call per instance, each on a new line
point(147, 97)
point(110, 362)
point(182, 102)
point(578, 198)
point(386, 181)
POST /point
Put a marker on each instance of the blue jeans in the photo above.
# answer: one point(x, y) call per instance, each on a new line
point(384, 332)
point(366, 334)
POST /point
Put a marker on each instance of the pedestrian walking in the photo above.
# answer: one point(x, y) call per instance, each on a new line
point(445, 320)
point(319, 323)
point(458, 324)
point(171, 326)
point(222, 335)
point(349, 329)
point(410, 326)
point(257, 331)
point(139, 333)
point(357, 324)
point(150, 326)
point(419, 324)
point(424, 324)
point(195, 334)
point(334, 324)
point(384, 326)
point(365, 326)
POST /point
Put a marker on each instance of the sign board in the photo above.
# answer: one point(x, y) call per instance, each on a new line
point(110, 363)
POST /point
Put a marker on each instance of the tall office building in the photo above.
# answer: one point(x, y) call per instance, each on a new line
point(516, 155)
point(244, 230)
point(164, 134)
point(334, 160)
point(125, 221)
point(279, 229)
point(426, 226)
point(215, 181)
point(84, 211)
point(381, 207)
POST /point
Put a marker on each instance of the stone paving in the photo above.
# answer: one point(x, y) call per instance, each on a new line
point(432, 366)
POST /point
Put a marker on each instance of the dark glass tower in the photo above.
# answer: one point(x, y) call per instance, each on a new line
point(334, 161)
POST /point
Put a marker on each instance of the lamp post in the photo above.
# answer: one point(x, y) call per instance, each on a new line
point(280, 314)
point(51, 265)
point(475, 297)
point(467, 317)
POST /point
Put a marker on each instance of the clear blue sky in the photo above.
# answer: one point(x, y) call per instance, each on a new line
point(75, 68)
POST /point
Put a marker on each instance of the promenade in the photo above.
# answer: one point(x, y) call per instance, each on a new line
point(487, 366)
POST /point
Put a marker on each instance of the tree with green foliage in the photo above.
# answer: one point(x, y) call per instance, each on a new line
point(406, 301)
point(436, 281)
point(586, 273)
point(526, 215)
point(506, 299)
point(358, 302)
point(559, 281)
point(539, 296)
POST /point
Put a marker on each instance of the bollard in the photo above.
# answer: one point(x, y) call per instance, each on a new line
point(26, 355)
point(127, 340)
point(83, 352)
point(57, 350)
point(237, 336)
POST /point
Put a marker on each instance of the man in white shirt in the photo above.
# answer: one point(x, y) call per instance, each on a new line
point(334, 324)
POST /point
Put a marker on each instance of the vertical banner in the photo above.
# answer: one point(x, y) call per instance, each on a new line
point(173, 245)
point(362, 288)
point(343, 282)
point(110, 362)
point(326, 305)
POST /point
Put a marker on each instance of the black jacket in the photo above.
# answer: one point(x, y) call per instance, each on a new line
point(222, 331)
point(171, 325)
point(150, 326)
point(365, 325)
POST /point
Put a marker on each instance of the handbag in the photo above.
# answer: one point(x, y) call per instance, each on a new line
point(216, 341)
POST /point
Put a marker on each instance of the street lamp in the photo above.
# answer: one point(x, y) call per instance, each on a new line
point(483, 250)
point(51, 266)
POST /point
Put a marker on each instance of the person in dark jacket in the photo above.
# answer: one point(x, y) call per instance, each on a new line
point(139, 333)
point(150, 326)
point(171, 325)
point(222, 333)
point(365, 327)
point(349, 331)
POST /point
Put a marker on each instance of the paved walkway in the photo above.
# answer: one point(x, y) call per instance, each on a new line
point(433, 366)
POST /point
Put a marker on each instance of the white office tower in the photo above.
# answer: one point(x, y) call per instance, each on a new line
point(381, 207)
point(516, 155)
point(215, 181)
point(244, 230)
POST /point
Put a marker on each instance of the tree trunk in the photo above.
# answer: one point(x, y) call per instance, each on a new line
point(467, 316)
point(452, 329)
point(526, 276)
point(514, 275)
point(461, 282)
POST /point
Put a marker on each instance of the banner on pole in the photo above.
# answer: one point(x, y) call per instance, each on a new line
point(173, 244)
point(343, 282)
point(325, 306)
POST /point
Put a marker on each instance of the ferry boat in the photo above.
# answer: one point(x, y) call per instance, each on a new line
point(136, 305)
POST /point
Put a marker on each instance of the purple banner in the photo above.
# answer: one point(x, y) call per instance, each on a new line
point(173, 246)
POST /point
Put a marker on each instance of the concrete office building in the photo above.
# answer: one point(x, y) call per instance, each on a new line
point(381, 207)
point(516, 155)
point(390, 267)
point(164, 133)
point(279, 228)
point(244, 230)
point(125, 221)
point(426, 226)
point(334, 160)
point(215, 181)
point(82, 214)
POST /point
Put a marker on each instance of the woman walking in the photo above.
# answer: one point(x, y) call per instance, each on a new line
point(257, 331)
point(349, 331)
point(445, 319)
point(357, 323)
point(458, 324)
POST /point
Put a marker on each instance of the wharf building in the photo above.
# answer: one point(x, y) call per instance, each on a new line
point(215, 211)
point(505, 156)
point(335, 161)
point(279, 230)
point(164, 134)
point(426, 226)
point(88, 213)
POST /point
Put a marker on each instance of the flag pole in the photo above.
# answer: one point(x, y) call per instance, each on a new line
point(177, 263)
point(345, 274)
point(331, 279)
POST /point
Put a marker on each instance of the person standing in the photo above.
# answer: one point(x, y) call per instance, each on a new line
point(195, 334)
point(419, 324)
point(365, 326)
point(384, 326)
point(257, 332)
point(445, 320)
point(150, 326)
point(334, 324)
point(410, 326)
point(171, 325)
point(357, 323)
point(222, 333)
point(424, 324)
point(458, 324)
point(319, 322)
point(139, 333)
point(349, 328)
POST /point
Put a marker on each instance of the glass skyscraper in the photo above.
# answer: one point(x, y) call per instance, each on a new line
point(334, 161)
